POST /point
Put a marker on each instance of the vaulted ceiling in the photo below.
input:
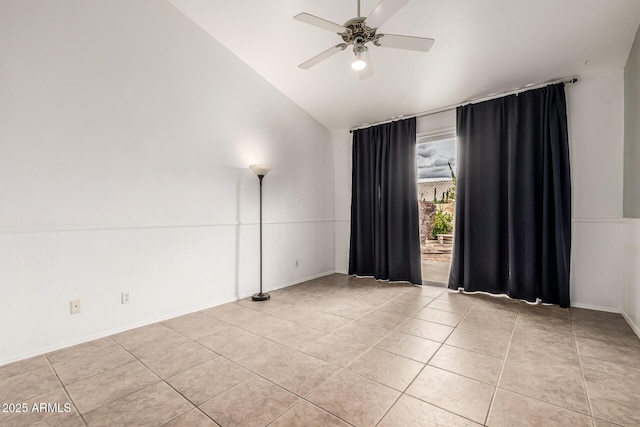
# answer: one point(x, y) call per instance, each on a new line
point(482, 47)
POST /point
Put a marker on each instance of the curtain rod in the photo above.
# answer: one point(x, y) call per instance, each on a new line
point(569, 80)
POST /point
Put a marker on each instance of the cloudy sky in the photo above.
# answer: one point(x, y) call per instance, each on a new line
point(433, 158)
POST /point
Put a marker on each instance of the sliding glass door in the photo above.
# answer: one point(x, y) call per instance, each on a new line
point(436, 164)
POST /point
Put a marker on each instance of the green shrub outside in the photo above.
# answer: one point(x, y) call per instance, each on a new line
point(442, 224)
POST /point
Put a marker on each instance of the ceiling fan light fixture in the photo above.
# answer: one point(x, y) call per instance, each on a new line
point(360, 31)
point(359, 64)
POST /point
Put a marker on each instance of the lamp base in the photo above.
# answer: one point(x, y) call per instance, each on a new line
point(261, 297)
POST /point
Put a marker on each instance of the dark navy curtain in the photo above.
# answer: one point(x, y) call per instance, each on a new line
point(513, 203)
point(385, 240)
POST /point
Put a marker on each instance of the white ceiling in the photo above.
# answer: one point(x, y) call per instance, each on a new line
point(482, 47)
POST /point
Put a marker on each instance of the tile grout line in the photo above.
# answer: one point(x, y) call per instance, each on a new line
point(65, 390)
point(100, 373)
point(88, 353)
point(433, 355)
point(584, 382)
point(267, 379)
point(317, 387)
point(544, 401)
point(339, 367)
point(548, 403)
point(150, 385)
point(254, 333)
point(504, 362)
point(220, 355)
point(82, 415)
point(293, 321)
point(439, 407)
point(392, 405)
point(213, 397)
point(327, 333)
point(403, 393)
point(178, 391)
point(160, 379)
point(301, 397)
point(241, 382)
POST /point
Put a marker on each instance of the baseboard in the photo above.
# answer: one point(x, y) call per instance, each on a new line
point(146, 322)
point(293, 282)
point(633, 326)
point(595, 307)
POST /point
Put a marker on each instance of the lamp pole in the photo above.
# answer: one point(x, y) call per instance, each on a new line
point(260, 170)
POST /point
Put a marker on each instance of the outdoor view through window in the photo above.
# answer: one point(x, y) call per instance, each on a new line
point(436, 200)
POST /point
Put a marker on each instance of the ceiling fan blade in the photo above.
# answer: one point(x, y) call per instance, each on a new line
point(385, 10)
point(368, 70)
point(324, 55)
point(420, 44)
point(319, 22)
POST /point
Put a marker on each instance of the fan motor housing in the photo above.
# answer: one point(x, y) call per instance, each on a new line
point(358, 32)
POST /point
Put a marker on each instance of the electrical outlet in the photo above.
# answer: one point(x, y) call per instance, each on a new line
point(75, 306)
point(126, 297)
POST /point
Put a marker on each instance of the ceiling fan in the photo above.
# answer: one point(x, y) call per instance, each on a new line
point(359, 31)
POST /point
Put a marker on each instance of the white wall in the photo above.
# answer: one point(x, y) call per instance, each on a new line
point(443, 121)
point(595, 115)
point(596, 125)
point(632, 131)
point(125, 135)
point(631, 274)
point(342, 154)
point(631, 280)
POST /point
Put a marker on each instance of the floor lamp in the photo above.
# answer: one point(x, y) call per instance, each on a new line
point(261, 170)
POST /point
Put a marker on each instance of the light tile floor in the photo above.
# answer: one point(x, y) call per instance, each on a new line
point(435, 271)
point(340, 351)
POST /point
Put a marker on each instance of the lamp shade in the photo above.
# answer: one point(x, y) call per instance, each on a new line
point(260, 169)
